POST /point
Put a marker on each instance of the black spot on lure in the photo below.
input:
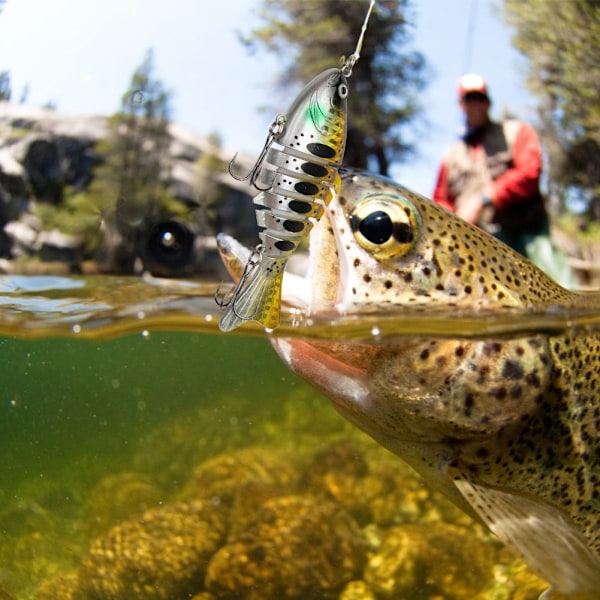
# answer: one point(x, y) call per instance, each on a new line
point(297, 180)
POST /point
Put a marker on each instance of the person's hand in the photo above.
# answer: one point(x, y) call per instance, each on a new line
point(470, 209)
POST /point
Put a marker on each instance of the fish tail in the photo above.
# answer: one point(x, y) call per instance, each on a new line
point(258, 300)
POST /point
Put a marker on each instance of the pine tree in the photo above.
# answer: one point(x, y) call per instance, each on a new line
point(136, 150)
point(5, 89)
point(312, 35)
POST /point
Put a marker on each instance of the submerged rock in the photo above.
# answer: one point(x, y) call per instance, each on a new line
point(357, 590)
point(46, 157)
point(429, 560)
point(296, 548)
point(120, 497)
point(65, 587)
point(161, 556)
point(220, 478)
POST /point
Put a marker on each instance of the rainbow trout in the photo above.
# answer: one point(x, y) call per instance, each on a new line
point(508, 427)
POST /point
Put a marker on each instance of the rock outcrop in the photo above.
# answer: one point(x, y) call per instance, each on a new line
point(44, 153)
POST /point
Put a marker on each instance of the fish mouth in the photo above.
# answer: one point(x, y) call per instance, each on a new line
point(323, 284)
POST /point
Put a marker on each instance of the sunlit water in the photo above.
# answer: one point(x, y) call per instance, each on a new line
point(116, 395)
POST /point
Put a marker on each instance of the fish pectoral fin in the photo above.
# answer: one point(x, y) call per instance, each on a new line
point(542, 533)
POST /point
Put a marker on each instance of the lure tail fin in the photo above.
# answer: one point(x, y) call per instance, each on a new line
point(257, 296)
point(259, 301)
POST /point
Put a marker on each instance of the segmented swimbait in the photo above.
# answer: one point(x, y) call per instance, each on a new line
point(299, 180)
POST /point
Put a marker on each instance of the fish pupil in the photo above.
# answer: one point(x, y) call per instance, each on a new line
point(376, 227)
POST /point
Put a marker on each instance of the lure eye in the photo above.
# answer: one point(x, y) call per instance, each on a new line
point(385, 226)
point(342, 91)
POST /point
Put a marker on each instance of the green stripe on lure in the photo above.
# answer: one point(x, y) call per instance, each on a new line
point(298, 180)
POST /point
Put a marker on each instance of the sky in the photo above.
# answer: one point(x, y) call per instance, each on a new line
point(81, 55)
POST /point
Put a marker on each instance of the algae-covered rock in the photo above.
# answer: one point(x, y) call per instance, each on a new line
point(421, 561)
point(220, 477)
point(65, 587)
point(357, 590)
point(370, 486)
point(120, 497)
point(296, 548)
point(248, 499)
point(161, 556)
point(514, 581)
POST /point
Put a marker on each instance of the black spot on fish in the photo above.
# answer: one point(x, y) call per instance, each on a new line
point(499, 393)
point(299, 206)
point(321, 150)
point(512, 370)
point(306, 188)
point(313, 169)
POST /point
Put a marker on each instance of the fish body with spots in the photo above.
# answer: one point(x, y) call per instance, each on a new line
point(507, 427)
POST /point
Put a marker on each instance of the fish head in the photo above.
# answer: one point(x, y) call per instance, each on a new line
point(381, 247)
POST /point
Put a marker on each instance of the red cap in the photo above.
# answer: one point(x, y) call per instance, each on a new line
point(472, 83)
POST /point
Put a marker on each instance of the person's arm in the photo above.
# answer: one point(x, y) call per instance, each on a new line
point(522, 180)
point(441, 194)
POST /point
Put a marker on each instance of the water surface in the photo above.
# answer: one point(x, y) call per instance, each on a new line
point(120, 396)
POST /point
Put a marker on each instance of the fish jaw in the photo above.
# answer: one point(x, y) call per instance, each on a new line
point(234, 255)
point(341, 373)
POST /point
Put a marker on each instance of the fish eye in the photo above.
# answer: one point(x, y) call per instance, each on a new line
point(376, 227)
point(342, 90)
point(386, 226)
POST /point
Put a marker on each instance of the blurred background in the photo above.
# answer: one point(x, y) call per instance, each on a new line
point(118, 119)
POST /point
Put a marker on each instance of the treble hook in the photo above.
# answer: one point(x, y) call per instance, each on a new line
point(275, 131)
point(224, 299)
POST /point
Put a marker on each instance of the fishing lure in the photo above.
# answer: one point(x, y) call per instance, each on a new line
point(297, 181)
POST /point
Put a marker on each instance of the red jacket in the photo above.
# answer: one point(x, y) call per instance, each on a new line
point(519, 182)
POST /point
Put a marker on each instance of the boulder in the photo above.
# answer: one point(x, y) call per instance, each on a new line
point(43, 151)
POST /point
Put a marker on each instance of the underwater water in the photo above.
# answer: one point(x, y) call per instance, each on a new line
point(146, 455)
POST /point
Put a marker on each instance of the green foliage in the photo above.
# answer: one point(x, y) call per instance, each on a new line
point(210, 191)
point(584, 231)
point(561, 39)
point(312, 35)
point(5, 89)
point(77, 215)
point(129, 185)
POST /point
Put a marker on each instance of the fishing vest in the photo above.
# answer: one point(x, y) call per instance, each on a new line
point(470, 173)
